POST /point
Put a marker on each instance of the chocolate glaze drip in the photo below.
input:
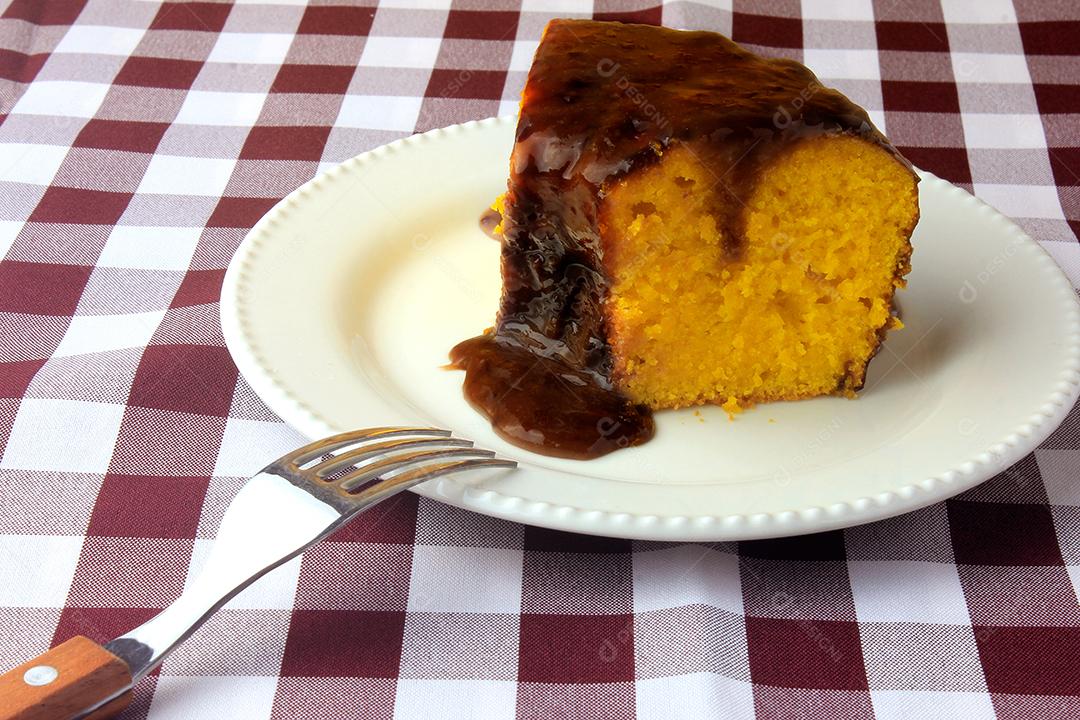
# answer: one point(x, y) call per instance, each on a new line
point(546, 405)
point(602, 100)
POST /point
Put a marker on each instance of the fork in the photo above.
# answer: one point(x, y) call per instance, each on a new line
point(288, 506)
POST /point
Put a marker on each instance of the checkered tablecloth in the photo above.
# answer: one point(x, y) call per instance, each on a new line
point(139, 141)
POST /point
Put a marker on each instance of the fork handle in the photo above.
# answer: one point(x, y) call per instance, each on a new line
point(65, 682)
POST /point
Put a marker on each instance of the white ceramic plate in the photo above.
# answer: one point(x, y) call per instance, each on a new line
point(341, 304)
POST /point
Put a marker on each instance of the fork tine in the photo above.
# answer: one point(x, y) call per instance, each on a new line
point(403, 480)
point(351, 457)
point(309, 452)
point(373, 470)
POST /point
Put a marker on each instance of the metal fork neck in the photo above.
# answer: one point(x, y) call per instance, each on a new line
point(326, 493)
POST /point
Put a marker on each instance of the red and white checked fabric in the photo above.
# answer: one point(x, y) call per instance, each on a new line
point(140, 140)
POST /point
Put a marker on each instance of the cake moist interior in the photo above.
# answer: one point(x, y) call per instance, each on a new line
point(685, 223)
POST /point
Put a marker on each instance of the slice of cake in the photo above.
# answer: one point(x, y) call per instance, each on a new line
point(685, 222)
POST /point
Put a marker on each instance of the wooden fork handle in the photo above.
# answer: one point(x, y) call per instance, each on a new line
point(65, 682)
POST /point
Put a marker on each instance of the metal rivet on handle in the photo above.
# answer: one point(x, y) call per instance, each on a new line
point(40, 675)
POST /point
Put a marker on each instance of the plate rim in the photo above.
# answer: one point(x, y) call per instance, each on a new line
point(917, 494)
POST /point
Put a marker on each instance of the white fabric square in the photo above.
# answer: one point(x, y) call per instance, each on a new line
point(986, 130)
point(521, 56)
point(907, 591)
point(445, 579)
point(456, 699)
point(508, 107)
point(990, 68)
point(31, 164)
point(205, 107)
point(686, 575)
point(559, 7)
point(37, 569)
point(1074, 576)
point(1058, 467)
point(212, 697)
point(99, 40)
point(838, 10)
point(9, 230)
point(248, 445)
point(407, 52)
point(1031, 201)
point(843, 64)
point(983, 11)
point(61, 97)
point(99, 333)
point(251, 48)
point(379, 112)
point(150, 248)
point(702, 695)
point(274, 591)
point(84, 431)
point(907, 704)
point(174, 175)
point(417, 4)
